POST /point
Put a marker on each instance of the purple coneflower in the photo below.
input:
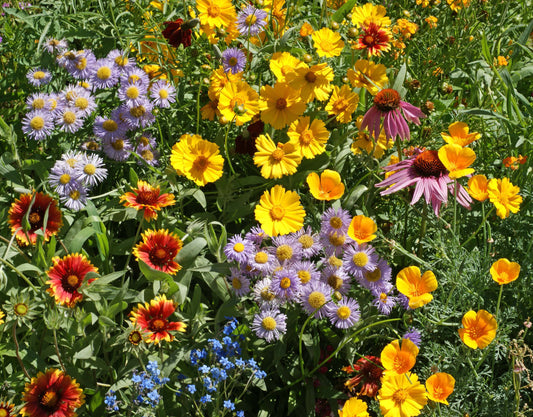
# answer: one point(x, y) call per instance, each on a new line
point(251, 21)
point(162, 93)
point(395, 113)
point(344, 314)
point(314, 298)
point(37, 124)
point(38, 77)
point(269, 324)
point(426, 171)
point(233, 60)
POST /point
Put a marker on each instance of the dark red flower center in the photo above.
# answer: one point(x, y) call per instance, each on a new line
point(35, 220)
point(71, 282)
point(387, 100)
point(310, 77)
point(281, 103)
point(49, 400)
point(148, 197)
point(160, 255)
point(158, 324)
point(428, 164)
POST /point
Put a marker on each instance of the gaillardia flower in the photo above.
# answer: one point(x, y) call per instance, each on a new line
point(27, 215)
point(280, 212)
point(152, 318)
point(66, 277)
point(479, 329)
point(52, 394)
point(375, 39)
point(158, 250)
point(367, 380)
point(415, 286)
point(503, 271)
point(439, 387)
point(147, 198)
point(7, 409)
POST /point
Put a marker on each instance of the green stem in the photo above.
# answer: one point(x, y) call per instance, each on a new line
point(300, 342)
point(17, 351)
point(131, 251)
point(455, 209)
point(479, 227)
point(20, 274)
point(226, 147)
point(57, 352)
point(499, 301)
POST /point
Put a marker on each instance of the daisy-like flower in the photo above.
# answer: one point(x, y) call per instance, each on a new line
point(364, 142)
point(63, 178)
point(286, 285)
point(37, 124)
point(368, 372)
point(162, 93)
point(80, 64)
point(363, 16)
point(240, 283)
point(69, 119)
point(358, 259)
point(283, 63)
point(152, 318)
point(66, 275)
point(118, 148)
point(335, 243)
point(132, 94)
point(342, 103)
point(233, 60)
point(109, 127)
point(326, 187)
point(312, 82)
point(395, 113)
point(306, 271)
point(375, 39)
point(457, 160)
point(368, 75)
point(239, 249)
point(504, 195)
point(55, 46)
point(90, 170)
point(335, 221)
point(270, 324)
point(85, 103)
point(251, 21)
point(262, 261)
point(343, 314)
point(439, 387)
point(327, 43)
point(138, 116)
point(308, 137)
point(399, 356)
point(279, 211)
point(263, 294)
point(7, 409)
point(216, 13)
point(362, 229)
point(274, 160)
point(424, 169)
point(177, 34)
point(377, 278)
point(401, 395)
point(34, 208)
point(281, 105)
point(315, 298)
point(135, 75)
point(158, 250)
point(52, 394)
point(201, 161)
point(238, 101)
point(479, 329)
point(504, 271)
point(147, 198)
point(105, 74)
point(336, 278)
point(121, 59)
point(37, 101)
point(459, 135)
point(417, 287)
point(38, 77)
point(354, 407)
point(308, 241)
point(286, 250)
point(383, 300)
point(76, 198)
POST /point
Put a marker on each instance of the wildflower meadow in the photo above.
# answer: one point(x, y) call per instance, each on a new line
point(222, 208)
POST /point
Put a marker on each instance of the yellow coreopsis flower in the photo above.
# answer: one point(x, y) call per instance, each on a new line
point(477, 187)
point(479, 329)
point(439, 387)
point(306, 30)
point(327, 43)
point(342, 103)
point(362, 229)
point(457, 5)
point(401, 395)
point(405, 28)
point(364, 142)
point(281, 105)
point(216, 13)
point(312, 82)
point(417, 287)
point(201, 161)
point(219, 79)
point(504, 195)
point(326, 187)
point(309, 138)
point(457, 159)
point(399, 358)
point(280, 212)
point(238, 101)
point(504, 271)
point(362, 16)
point(367, 74)
point(431, 21)
point(181, 148)
point(282, 63)
point(276, 160)
point(354, 407)
point(458, 134)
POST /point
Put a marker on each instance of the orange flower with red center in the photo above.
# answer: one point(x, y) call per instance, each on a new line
point(27, 215)
point(147, 198)
point(66, 275)
point(152, 319)
point(52, 394)
point(158, 250)
point(375, 39)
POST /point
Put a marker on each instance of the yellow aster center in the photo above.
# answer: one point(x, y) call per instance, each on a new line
point(360, 259)
point(213, 10)
point(75, 194)
point(278, 154)
point(69, 117)
point(305, 276)
point(89, 169)
point(81, 103)
point(117, 145)
point(163, 94)
point(343, 312)
point(267, 295)
point(400, 396)
point(82, 63)
point(64, 179)
point(147, 155)
point(277, 213)
point(132, 92)
point(261, 257)
point(306, 137)
point(269, 323)
point(133, 78)
point(383, 297)
point(71, 162)
point(335, 222)
point(251, 19)
point(316, 299)
point(337, 240)
point(334, 261)
point(373, 276)
point(38, 103)
point(306, 241)
point(137, 111)
point(238, 247)
point(70, 95)
point(37, 123)
point(39, 75)
point(121, 61)
point(233, 61)
point(20, 309)
point(72, 280)
point(110, 125)
point(281, 103)
point(53, 103)
point(310, 77)
point(284, 252)
point(49, 399)
point(334, 282)
point(201, 163)
point(103, 73)
point(285, 283)
point(144, 141)
point(236, 283)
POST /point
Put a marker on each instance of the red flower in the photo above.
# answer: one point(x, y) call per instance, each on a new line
point(375, 39)
point(152, 318)
point(66, 276)
point(245, 143)
point(52, 394)
point(34, 208)
point(368, 377)
point(147, 198)
point(176, 34)
point(158, 250)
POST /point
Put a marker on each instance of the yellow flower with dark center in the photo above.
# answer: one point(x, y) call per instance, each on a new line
point(439, 387)
point(362, 16)
point(342, 104)
point(276, 160)
point(504, 195)
point(312, 82)
point(364, 142)
point(504, 271)
point(203, 163)
point(216, 13)
point(280, 212)
point(417, 287)
point(219, 79)
point(458, 134)
point(181, 148)
point(479, 329)
point(477, 187)
point(401, 395)
point(281, 105)
point(308, 138)
point(457, 160)
point(327, 43)
point(283, 63)
point(366, 74)
point(238, 101)
point(326, 187)
point(398, 359)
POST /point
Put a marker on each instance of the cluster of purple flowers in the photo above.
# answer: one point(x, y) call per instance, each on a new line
point(319, 272)
point(220, 367)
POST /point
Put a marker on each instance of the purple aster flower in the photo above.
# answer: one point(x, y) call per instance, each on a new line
point(55, 46)
point(54, 103)
point(132, 94)
point(269, 324)
point(63, 178)
point(376, 278)
point(286, 285)
point(69, 94)
point(306, 271)
point(38, 77)
point(239, 282)
point(118, 149)
point(395, 112)
point(138, 116)
point(309, 241)
point(90, 170)
point(256, 235)
point(335, 221)
point(105, 74)
point(403, 301)
point(38, 101)
point(359, 258)
point(69, 120)
point(238, 249)
point(148, 156)
point(121, 59)
point(424, 170)
point(335, 243)
point(76, 199)
point(109, 127)
point(331, 261)
point(162, 93)
point(84, 102)
point(37, 124)
point(146, 141)
point(93, 144)
point(383, 299)
point(251, 21)
point(414, 336)
point(71, 158)
point(336, 279)
point(135, 75)
point(315, 296)
point(233, 60)
point(82, 66)
point(262, 261)
point(263, 294)
point(343, 314)
point(286, 249)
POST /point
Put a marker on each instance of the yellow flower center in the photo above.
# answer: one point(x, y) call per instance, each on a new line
point(373, 276)
point(334, 282)
point(281, 103)
point(304, 276)
point(71, 162)
point(75, 194)
point(277, 213)
point(340, 105)
point(89, 169)
point(72, 280)
point(20, 309)
point(70, 95)
point(278, 154)
point(110, 125)
point(285, 69)
point(121, 61)
point(238, 247)
point(383, 297)
point(135, 337)
point(335, 222)
point(213, 10)
point(310, 77)
point(236, 283)
point(69, 117)
point(158, 324)
point(400, 396)
point(49, 400)
point(118, 145)
point(82, 63)
point(38, 103)
point(137, 111)
point(132, 92)
point(39, 75)
point(103, 73)
point(334, 261)
point(147, 155)
point(261, 257)
point(306, 137)
point(267, 295)
point(337, 240)
point(269, 323)
point(343, 312)
point(81, 103)
point(251, 19)
point(144, 141)
point(201, 163)
point(326, 45)
point(284, 252)
point(53, 103)
point(360, 259)
point(285, 283)
point(37, 123)
point(163, 94)
point(64, 179)
point(133, 78)
point(316, 299)
point(306, 241)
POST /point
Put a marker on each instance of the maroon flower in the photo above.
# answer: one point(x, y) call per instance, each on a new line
point(176, 34)
point(368, 376)
point(245, 143)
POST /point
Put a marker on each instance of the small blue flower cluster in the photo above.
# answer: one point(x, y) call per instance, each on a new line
point(111, 401)
point(147, 385)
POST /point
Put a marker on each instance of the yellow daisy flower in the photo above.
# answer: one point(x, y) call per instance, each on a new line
point(308, 138)
point(216, 13)
point(219, 79)
point(280, 212)
point(504, 195)
point(181, 148)
point(362, 16)
point(327, 43)
point(342, 103)
point(276, 160)
point(364, 141)
point(401, 395)
point(238, 101)
point(312, 82)
point(281, 105)
point(283, 63)
point(367, 74)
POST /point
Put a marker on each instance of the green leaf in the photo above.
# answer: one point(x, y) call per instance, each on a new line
point(153, 274)
point(77, 243)
point(400, 79)
point(343, 11)
point(190, 251)
point(85, 353)
point(524, 36)
point(134, 179)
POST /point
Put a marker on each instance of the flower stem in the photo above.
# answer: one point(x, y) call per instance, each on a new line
point(20, 274)
point(479, 227)
point(300, 340)
point(455, 209)
point(17, 351)
point(131, 251)
point(226, 147)
point(499, 300)
point(57, 352)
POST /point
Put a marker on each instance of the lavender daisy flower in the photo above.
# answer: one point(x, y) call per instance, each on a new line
point(424, 170)
point(37, 101)
point(71, 158)
point(286, 249)
point(37, 124)
point(270, 324)
point(38, 77)
point(69, 94)
point(344, 314)
point(76, 199)
point(309, 242)
point(162, 93)
point(83, 66)
point(146, 141)
point(54, 103)
point(315, 297)
point(239, 282)
point(263, 294)
point(132, 94)
point(251, 21)
point(238, 249)
point(286, 285)
point(331, 261)
point(336, 279)
point(395, 112)
point(85, 103)
point(256, 235)
point(118, 149)
point(63, 178)
point(90, 170)
point(377, 278)
point(91, 145)
point(109, 127)
point(414, 336)
point(359, 258)
point(69, 120)
point(138, 116)
point(233, 60)
point(55, 46)
point(148, 156)
point(262, 261)
point(105, 74)
point(135, 76)
point(335, 243)
point(335, 221)
point(383, 299)
point(121, 60)
point(306, 271)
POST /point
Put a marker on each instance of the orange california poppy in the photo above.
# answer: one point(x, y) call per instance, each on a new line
point(439, 387)
point(326, 187)
point(477, 187)
point(479, 329)
point(503, 271)
point(399, 358)
point(457, 160)
point(417, 287)
point(362, 229)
